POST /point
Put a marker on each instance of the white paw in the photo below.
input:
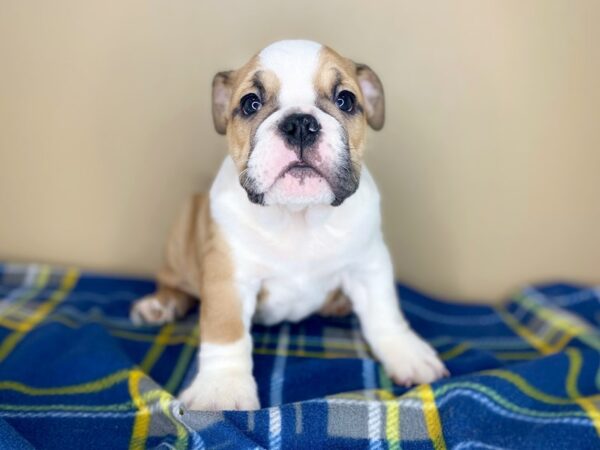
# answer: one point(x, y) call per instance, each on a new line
point(149, 310)
point(409, 360)
point(221, 392)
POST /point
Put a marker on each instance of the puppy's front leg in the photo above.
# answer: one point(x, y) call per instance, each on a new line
point(224, 380)
point(407, 358)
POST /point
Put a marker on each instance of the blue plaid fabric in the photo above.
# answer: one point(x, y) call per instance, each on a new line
point(75, 373)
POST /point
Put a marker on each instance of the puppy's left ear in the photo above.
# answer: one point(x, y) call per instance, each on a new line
point(372, 90)
point(221, 96)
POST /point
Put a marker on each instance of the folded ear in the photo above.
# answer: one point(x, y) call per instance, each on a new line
point(221, 96)
point(372, 90)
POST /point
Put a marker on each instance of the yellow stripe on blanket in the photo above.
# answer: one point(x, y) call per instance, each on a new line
point(392, 424)
point(68, 282)
point(84, 388)
point(141, 424)
point(157, 347)
point(182, 434)
point(588, 404)
point(432, 417)
point(539, 344)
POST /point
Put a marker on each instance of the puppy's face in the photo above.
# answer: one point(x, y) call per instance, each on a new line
point(295, 117)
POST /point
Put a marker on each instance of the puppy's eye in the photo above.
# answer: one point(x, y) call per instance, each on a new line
point(345, 101)
point(250, 103)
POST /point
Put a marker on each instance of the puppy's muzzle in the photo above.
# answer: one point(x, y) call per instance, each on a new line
point(300, 131)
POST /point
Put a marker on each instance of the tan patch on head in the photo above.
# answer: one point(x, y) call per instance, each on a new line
point(335, 74)
point(250, 79)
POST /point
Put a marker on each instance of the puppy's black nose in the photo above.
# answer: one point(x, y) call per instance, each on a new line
point(300, 130)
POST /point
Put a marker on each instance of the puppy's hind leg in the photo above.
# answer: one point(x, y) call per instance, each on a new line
point(165, 305)
point(177, 277)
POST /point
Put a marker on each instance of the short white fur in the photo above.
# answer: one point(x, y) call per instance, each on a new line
point(295, 63)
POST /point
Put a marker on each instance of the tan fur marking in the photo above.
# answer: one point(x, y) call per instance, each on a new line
point(333, 68)
point(240, 129)
point(263, 295)
point(198, 263)
point(220, 308)
point(374, 97)
point(181, 257)
point(337, 304)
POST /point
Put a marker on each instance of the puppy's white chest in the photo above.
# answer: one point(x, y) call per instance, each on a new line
point(293, 298)
point(292, 260)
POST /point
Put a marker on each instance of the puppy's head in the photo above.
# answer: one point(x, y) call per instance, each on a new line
point(295, 116)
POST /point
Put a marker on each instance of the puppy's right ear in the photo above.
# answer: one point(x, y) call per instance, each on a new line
point(221, 96)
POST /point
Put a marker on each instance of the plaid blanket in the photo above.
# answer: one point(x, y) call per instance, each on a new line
point(75, 373)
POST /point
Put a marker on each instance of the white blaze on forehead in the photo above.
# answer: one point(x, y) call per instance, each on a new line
point(295, 63)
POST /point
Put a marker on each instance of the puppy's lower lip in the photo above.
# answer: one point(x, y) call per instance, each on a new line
point(304, 169)
point(298, 168)
point(301, 167)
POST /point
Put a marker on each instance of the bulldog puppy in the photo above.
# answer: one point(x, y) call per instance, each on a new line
point(291, 224)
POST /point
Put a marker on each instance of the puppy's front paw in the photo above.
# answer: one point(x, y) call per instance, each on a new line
point(409, 360)
point(221, 392)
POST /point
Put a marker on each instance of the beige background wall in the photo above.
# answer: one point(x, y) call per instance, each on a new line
point(488, 164)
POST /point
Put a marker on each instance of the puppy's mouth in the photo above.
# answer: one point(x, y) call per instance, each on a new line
point(300, 169)
point(300, 177)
